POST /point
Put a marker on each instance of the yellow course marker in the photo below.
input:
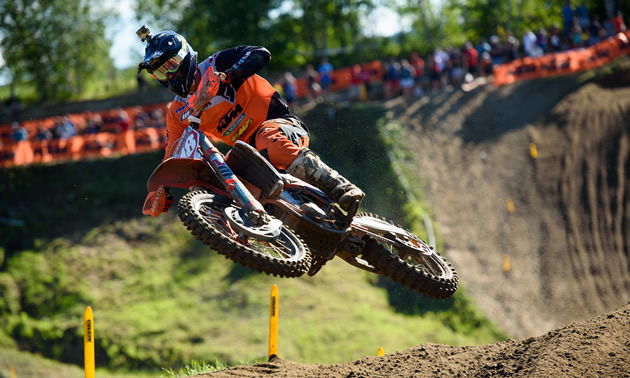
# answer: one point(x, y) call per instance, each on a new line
point(273, 322)
point(88, 342)
point(510, 205)
point(381, 352)
point(506, 263)
point(533, 151)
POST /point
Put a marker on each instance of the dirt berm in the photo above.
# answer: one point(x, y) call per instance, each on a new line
point(529, 187)
point(597, 348)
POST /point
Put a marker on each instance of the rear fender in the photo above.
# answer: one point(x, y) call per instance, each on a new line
point(182, 173)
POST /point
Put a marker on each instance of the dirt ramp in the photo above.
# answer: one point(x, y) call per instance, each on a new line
point(587, 171)
point(539, 240)
point(596, 348)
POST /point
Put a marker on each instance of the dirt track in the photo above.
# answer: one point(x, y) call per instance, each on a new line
point(560, 217)
point(567, 238)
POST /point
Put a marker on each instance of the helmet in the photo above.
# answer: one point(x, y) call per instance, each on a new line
point(169, 59)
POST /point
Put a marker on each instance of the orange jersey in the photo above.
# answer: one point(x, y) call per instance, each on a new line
point(235, 113)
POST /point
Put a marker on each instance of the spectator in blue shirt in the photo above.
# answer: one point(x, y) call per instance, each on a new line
point(19, 133)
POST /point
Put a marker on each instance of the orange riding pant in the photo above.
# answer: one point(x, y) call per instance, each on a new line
point(280, 140)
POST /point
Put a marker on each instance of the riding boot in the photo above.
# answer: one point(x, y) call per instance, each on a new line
point(308, 167)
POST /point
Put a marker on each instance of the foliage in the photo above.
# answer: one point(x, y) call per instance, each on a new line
point(57, 50)
point(475, 20)
point(305, 31)
point(42, 47)
point(484, 18)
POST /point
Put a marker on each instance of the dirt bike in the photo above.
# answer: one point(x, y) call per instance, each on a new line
point(272, 222)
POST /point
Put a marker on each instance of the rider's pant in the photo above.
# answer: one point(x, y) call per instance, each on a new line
point(280, 140)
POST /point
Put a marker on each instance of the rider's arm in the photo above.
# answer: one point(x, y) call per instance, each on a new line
point(174, 125)
point(239, 63)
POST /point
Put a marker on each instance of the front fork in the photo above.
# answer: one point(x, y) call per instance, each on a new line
point(242, 196)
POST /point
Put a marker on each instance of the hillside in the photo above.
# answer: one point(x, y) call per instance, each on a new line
point(567, 236)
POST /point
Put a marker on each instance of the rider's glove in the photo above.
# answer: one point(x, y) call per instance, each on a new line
point(207, 89)
point(226, 77)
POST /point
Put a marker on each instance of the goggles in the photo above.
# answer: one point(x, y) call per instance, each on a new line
point(170, 65)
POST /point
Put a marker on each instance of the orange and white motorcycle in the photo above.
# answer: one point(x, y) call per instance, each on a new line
point(243, 208)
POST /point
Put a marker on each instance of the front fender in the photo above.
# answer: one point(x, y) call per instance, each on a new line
point(182, 173)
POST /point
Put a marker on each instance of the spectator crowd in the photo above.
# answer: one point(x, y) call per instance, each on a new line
point(450, 67)
point(65, 127)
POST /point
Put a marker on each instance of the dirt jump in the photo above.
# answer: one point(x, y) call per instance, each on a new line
point(529, 187)
point(597, 348)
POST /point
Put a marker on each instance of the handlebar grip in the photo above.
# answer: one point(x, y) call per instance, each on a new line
point(194, 121)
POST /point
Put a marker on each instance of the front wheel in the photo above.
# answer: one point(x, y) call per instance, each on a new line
point(404, 258)
point(204, 215)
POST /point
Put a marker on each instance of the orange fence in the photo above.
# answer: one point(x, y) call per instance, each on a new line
point(342, 77)
point(109, 140)
point(565, 62)
point(83, 147)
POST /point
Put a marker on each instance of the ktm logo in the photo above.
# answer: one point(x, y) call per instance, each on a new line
point(229, 117)
point(242, 130)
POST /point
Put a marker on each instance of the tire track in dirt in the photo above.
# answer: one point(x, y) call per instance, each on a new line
point(594, 176)
point(568, 239)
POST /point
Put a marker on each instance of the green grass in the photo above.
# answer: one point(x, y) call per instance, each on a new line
point(24, 364)
point(152, 308)
point(195, 368)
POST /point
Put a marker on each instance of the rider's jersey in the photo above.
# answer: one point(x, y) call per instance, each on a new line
point(240, 107)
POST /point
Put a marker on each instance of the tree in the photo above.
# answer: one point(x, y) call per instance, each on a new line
point(299, 31)
point(55, 45)
point(211, 27)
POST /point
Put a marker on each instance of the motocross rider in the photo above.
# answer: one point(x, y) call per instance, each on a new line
point(243, 106)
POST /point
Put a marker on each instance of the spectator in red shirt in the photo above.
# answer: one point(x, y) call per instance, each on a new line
point(355, 82)
point(618, 24)
point(471, 59)
point(418, 65)
point(123, 120)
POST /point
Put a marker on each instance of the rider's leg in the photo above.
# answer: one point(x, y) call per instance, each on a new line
point(285, 144)
point(309, 167)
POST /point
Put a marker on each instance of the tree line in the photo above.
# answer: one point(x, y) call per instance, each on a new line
point(60, 47)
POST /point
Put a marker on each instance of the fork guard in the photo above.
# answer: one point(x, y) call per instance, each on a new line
point(246, 162)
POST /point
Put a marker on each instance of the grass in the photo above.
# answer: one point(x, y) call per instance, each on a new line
point(14, 363)
point(195, 368)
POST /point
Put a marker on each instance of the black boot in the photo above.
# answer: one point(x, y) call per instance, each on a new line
point(308, 167)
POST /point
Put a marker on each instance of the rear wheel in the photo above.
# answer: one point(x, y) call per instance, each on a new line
point(203, 214)
point(404, 258)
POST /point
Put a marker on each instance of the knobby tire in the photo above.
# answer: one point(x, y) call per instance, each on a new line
point(383, 253)
point(296, 262)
